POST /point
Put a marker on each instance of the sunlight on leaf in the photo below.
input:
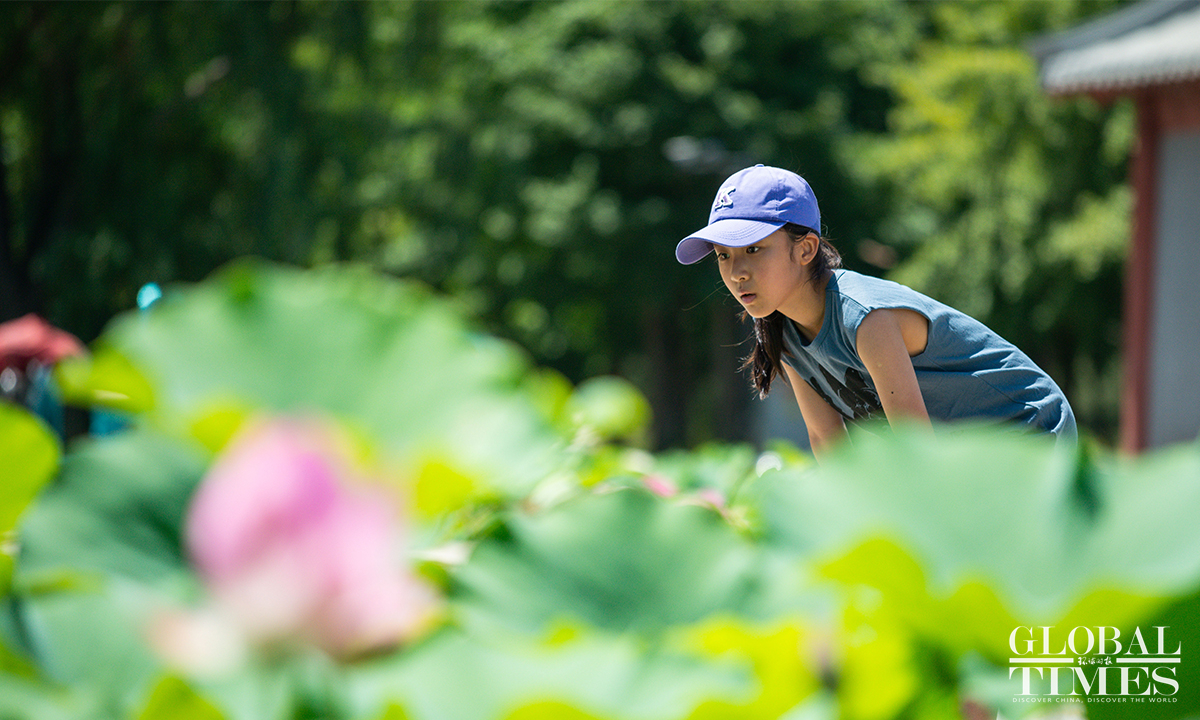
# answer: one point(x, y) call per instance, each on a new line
point(173, 699)
point(877, 676)
point(218, 422)
point(106, 379)
point(441, 488)
point(784, 662)
point(30, 455)
point(550, 710)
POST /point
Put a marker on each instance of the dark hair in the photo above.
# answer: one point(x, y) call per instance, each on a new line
point(764, 362)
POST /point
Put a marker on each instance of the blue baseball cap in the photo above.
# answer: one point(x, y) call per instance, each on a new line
point(752, 204)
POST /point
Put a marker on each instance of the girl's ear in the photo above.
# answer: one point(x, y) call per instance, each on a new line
point(810, 245)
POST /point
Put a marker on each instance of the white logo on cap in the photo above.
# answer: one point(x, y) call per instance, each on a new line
point(723, 199)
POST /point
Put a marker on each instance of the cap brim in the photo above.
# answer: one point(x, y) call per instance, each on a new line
point(732, 232)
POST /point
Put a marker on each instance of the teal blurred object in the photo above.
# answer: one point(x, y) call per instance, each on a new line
point(149, 294)
point(107, 422)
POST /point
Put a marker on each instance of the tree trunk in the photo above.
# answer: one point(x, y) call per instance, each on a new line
point(16, 292)
point(732, 403)
point(671, 378)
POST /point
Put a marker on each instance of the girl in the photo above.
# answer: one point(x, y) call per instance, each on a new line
point(853, 346)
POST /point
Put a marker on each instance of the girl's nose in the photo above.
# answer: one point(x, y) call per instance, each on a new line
point(739, 270)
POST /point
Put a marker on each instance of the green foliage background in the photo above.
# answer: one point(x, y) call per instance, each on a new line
point(539, 160)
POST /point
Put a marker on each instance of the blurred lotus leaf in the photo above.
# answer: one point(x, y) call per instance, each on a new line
point(610, 407)
point(581, 576)
point(31, 455)
point(383, 355)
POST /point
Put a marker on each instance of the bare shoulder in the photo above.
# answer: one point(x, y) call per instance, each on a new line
point(884, 325)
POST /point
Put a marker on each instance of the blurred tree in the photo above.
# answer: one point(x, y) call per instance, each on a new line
point(1001, 201)
point(154, 141)
point(552, 154)
point(556, 152)
point(540, 160)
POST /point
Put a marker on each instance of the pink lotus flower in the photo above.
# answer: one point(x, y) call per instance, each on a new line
point(292, 547)
point(712, 498)
point(661, 486)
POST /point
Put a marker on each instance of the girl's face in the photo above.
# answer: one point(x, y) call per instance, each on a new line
point(767, 276)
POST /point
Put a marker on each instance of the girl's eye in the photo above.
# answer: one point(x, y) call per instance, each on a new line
point(722, 256)
point(750, 250)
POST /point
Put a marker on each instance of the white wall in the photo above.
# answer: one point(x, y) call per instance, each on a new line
point(1174, 382)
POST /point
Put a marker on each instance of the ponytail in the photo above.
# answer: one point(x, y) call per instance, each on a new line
point(765, 361)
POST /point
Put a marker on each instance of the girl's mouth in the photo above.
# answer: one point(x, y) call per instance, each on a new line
point(747, 297)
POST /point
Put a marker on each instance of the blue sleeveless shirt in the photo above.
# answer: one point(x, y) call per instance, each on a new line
point(967, 372)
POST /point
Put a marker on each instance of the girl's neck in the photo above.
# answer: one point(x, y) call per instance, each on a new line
point(807, 310)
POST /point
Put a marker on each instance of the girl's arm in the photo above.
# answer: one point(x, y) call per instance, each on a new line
point(887, 339)
point(824, 423)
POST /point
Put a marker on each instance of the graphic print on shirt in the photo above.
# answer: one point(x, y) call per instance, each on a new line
point(854, 394)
